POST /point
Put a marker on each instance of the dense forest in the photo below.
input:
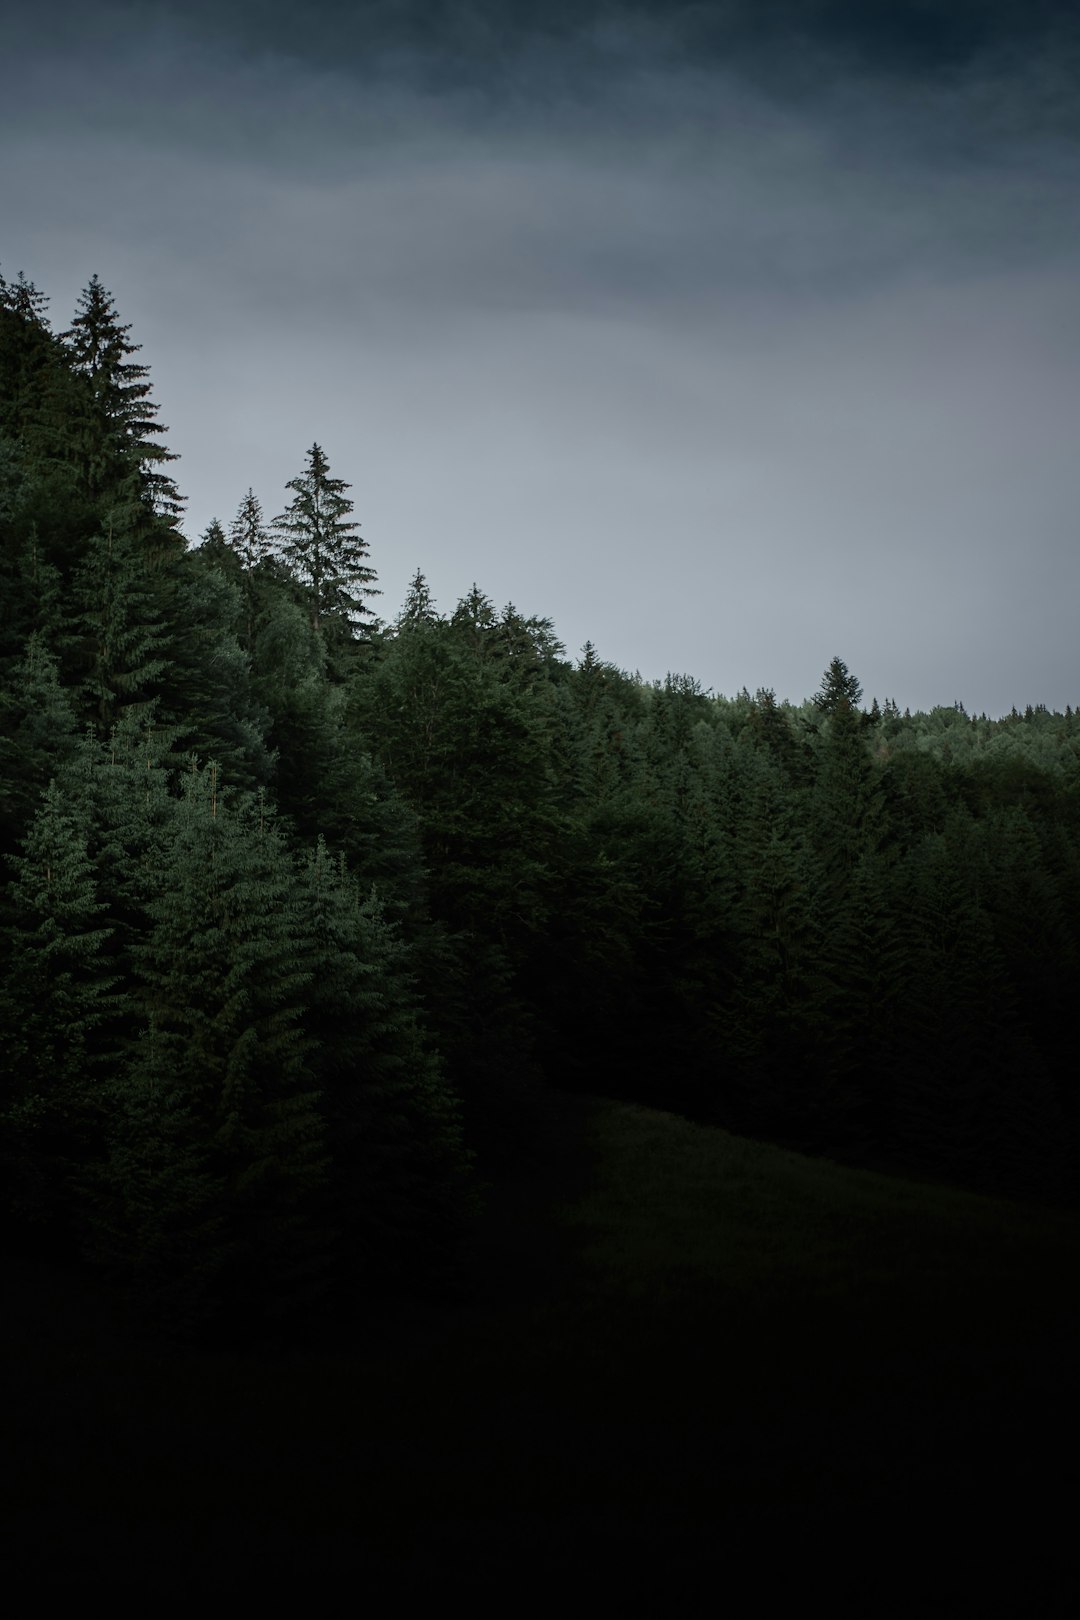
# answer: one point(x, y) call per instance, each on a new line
point(302, 909)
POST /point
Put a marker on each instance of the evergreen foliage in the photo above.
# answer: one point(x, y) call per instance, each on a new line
point(60, 995)
point(215, 1145)
point(397, 1190)
point(38, 737)
point(299, 911)
point(323, 545)
point(839, 689)
point(125, 423)
point(248, 534)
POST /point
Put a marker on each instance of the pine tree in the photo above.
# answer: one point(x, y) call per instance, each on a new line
point(39, 398)
point(25, 300)
point(772, 726)
point(59, 995)
point(214, 544)
point(419, 607)
point(248, 533)
point(846, 802)
point(778, 1023)
point(38, 734)
point(324, 547)
point(126, 419)
point(27, 352)
point(117, 639)
point(126, 784)
point(838, 686)
point(215, 1141)
point(397, 1190)
point(210, 696)
point(468, 748)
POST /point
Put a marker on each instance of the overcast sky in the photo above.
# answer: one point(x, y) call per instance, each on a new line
point(730, 336)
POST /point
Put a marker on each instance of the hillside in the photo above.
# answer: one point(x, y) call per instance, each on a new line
point(674, 1353)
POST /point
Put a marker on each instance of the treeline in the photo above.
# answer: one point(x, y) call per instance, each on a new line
point(300, 909)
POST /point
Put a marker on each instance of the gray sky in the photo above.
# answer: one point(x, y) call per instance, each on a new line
point(729, 347)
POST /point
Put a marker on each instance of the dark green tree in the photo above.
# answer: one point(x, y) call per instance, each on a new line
point(44, 514)
point(210, 698)
point(117, 639)
point(249, 535)
point(323, 546)
point(838, 686)
point(38, 736)
point(124, 430)
point(29, 356)
point(59, 998)
point(397, 1189)
point(846, 808)
point(418, 608)
point(216, 1149)
point(214, 545)
point(25, 300)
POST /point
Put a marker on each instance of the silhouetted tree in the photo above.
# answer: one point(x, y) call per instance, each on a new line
point(323, 545)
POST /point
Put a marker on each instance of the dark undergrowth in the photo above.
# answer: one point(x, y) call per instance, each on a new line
point(672, 1357)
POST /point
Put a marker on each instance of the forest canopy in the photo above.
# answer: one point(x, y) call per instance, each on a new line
point(301, 908)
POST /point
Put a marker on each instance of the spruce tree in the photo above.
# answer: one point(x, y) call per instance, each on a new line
point(117, 639)
point(59, 997)
point(214, 545)
point(397, 1190)
point(210, 697)
point(324, 547)
point(249, 535)
point(25, 300)
point(40, 400)
point(38, 735)
point(846, 805)
point(215, 1140)
point(28, 352)
point(126, 418)
point(838, 686)
point(418, 608)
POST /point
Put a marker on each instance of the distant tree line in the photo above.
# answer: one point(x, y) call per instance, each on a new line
point(301, 909)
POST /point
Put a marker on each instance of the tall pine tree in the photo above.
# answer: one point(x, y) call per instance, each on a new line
point(126, 425)
point(323, 546)
point(216, 1146)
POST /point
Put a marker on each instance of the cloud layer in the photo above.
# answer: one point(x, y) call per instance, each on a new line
point(726, 369)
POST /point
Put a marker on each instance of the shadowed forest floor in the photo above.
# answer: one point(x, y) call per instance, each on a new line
point(675, 1355)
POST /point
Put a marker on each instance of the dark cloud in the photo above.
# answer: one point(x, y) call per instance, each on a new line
point(732, 337)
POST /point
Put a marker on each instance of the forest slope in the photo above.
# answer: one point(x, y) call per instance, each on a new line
point(676, 1349)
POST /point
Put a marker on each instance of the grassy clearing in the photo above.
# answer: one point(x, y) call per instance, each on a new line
point(672, 1347)
point(684, 1213)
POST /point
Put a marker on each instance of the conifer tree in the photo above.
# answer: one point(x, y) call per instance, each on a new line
point(40, 400)
point(846, 804)
point(25, 300)
point(210, 698)
point(126, 418)
point(117, 638)
point(324, 547)
point(249, 535)
point(214, 543)
point(38, 734)
point(838, 686)
point(397, 1188)
point(27, 350)
point(955, 1007)
point(60, 992)
point(474, 619)
point(777, 1024)
point(419, 607)
point(125, 781)
point(215, 1141)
